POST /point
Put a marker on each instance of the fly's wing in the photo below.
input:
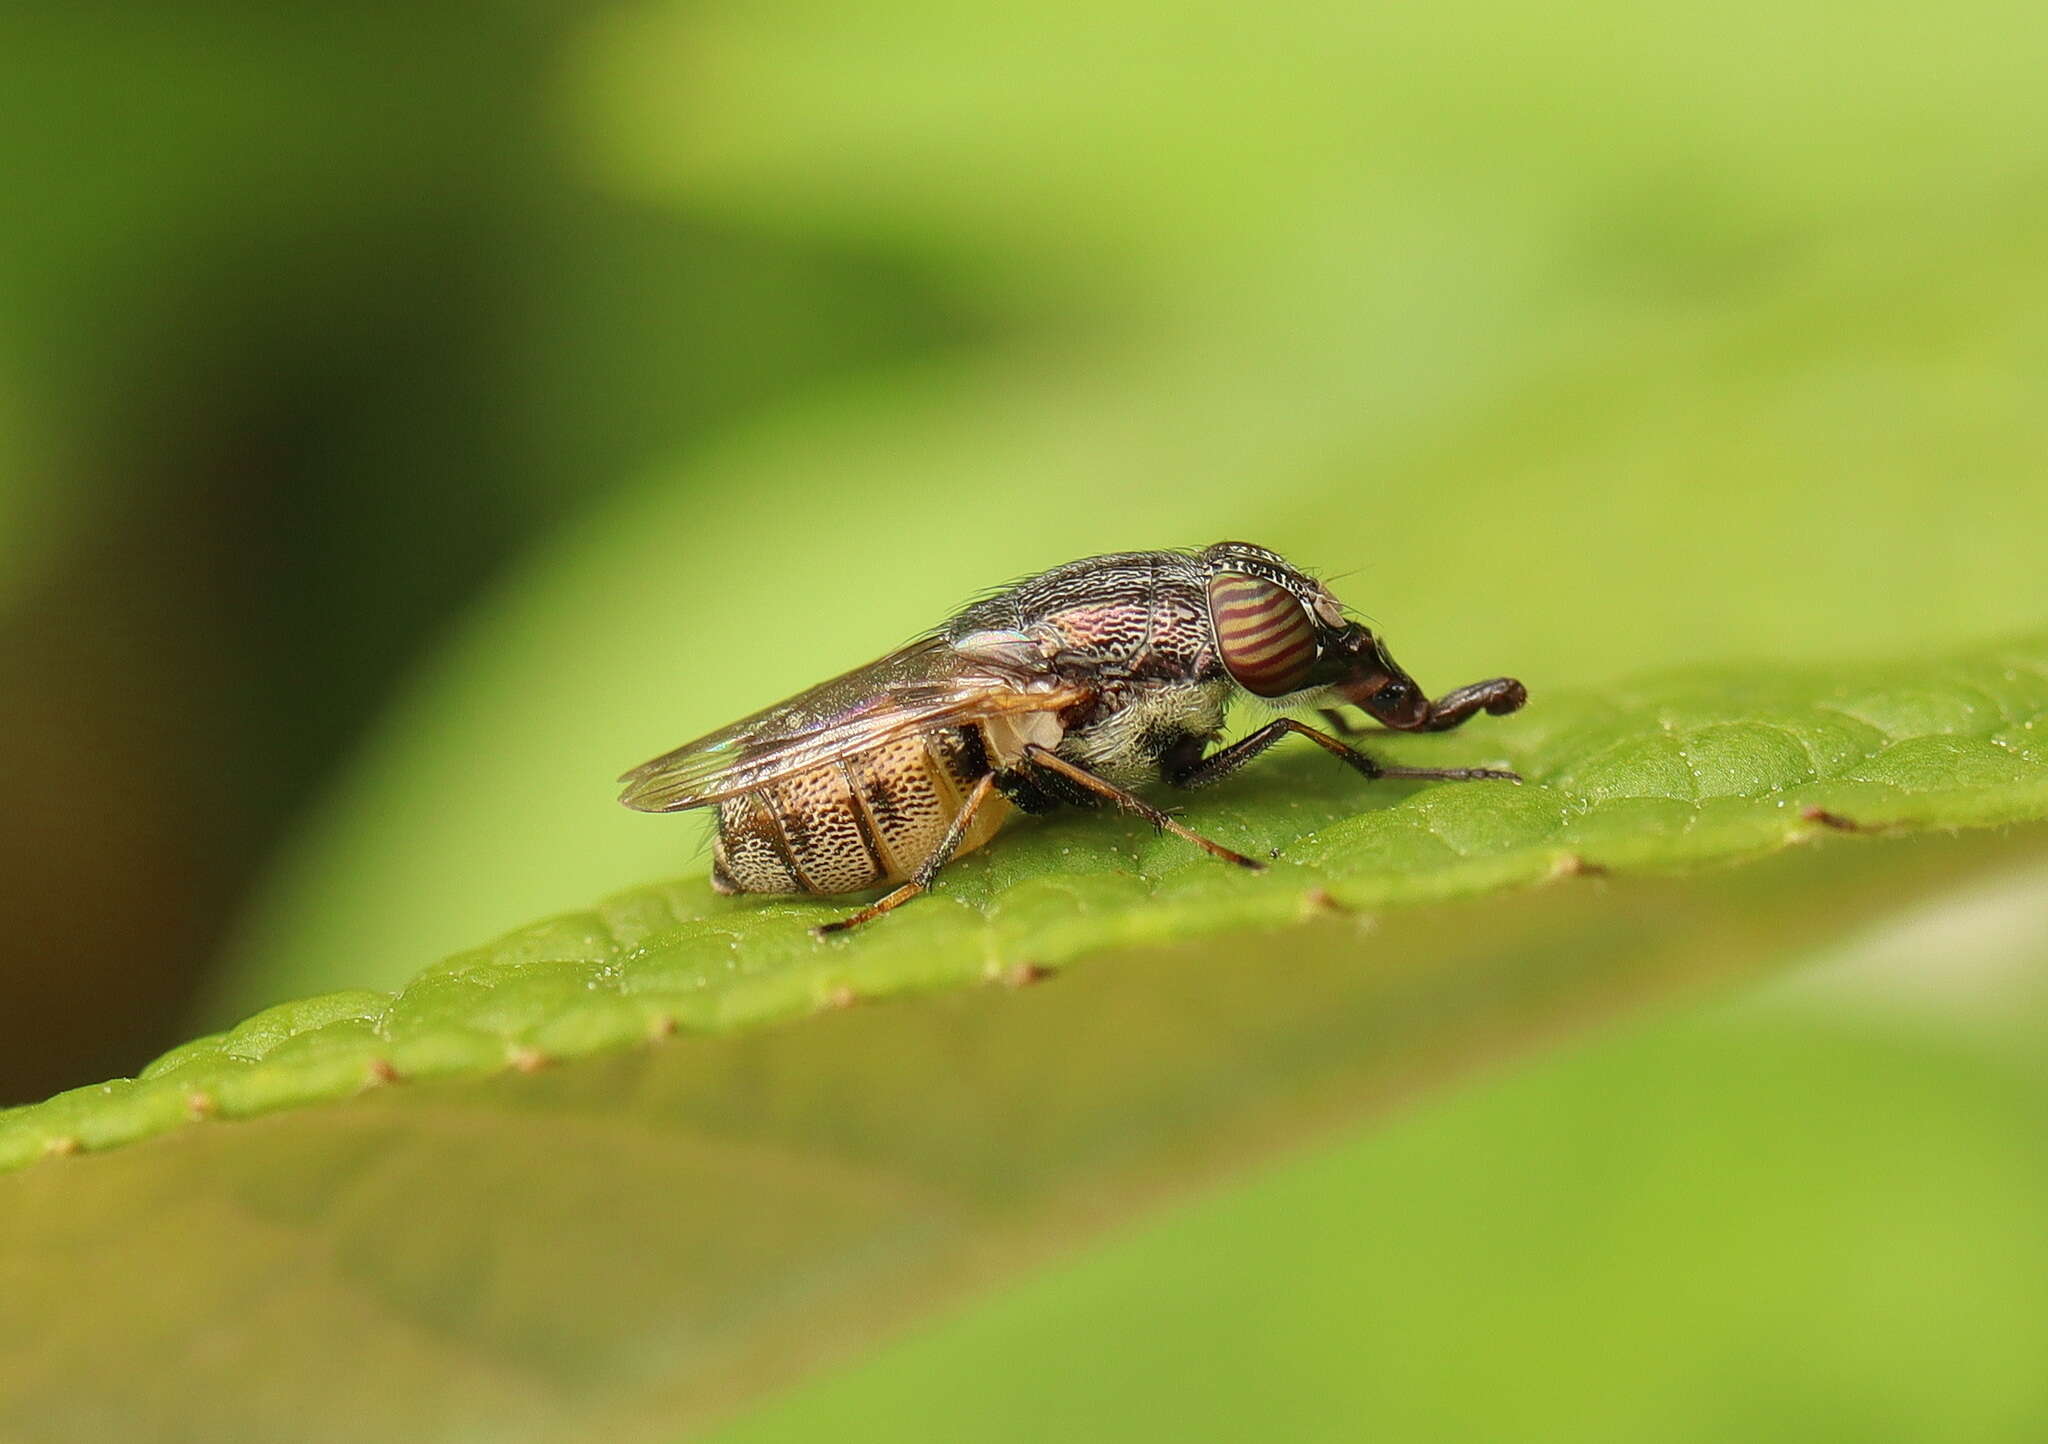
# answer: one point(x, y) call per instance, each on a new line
point(924, 687)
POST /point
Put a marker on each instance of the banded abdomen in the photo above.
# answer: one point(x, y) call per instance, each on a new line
point(868, 819)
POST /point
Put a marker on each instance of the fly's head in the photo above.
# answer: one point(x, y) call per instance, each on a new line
point(1284, 637)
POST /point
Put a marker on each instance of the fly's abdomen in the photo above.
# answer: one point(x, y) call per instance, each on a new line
point(862, 822)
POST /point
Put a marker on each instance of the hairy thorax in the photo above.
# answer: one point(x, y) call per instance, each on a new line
point(1135, 726)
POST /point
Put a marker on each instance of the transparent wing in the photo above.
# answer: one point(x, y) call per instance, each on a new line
point(925, 686)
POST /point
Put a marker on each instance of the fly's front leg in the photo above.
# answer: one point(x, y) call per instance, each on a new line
point(1497, 696)
point(1048, 760)
point(921, 880)
point(1221, 764)
point(1187, 767)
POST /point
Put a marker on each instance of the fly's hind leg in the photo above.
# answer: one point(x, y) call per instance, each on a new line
point(921, 880)
point(1048, 760)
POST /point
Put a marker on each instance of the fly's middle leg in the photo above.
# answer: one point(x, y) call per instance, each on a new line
point(1048, 760)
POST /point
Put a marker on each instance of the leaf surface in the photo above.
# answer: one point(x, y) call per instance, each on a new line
point(622, 1169)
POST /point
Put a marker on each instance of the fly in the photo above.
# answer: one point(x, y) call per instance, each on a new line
point(1071, 687)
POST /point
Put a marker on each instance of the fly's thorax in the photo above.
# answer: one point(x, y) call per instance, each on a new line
point(1136, 724)
point(1128, 615)
point(1005, 738)
point(1164, 637)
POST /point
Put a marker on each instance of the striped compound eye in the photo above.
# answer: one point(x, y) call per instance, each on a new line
point(1268, 643)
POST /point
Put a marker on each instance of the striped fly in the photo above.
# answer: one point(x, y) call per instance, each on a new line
point(1072, 687)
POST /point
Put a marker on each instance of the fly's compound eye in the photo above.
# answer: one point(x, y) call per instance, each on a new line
point(1264, 632)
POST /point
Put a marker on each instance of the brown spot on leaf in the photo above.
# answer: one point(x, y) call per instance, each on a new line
point(1024, 975)
point(1321, 900)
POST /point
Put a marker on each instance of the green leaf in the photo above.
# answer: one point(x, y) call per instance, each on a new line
point(533, 1211)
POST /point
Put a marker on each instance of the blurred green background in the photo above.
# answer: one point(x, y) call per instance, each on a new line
point(409, 418)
